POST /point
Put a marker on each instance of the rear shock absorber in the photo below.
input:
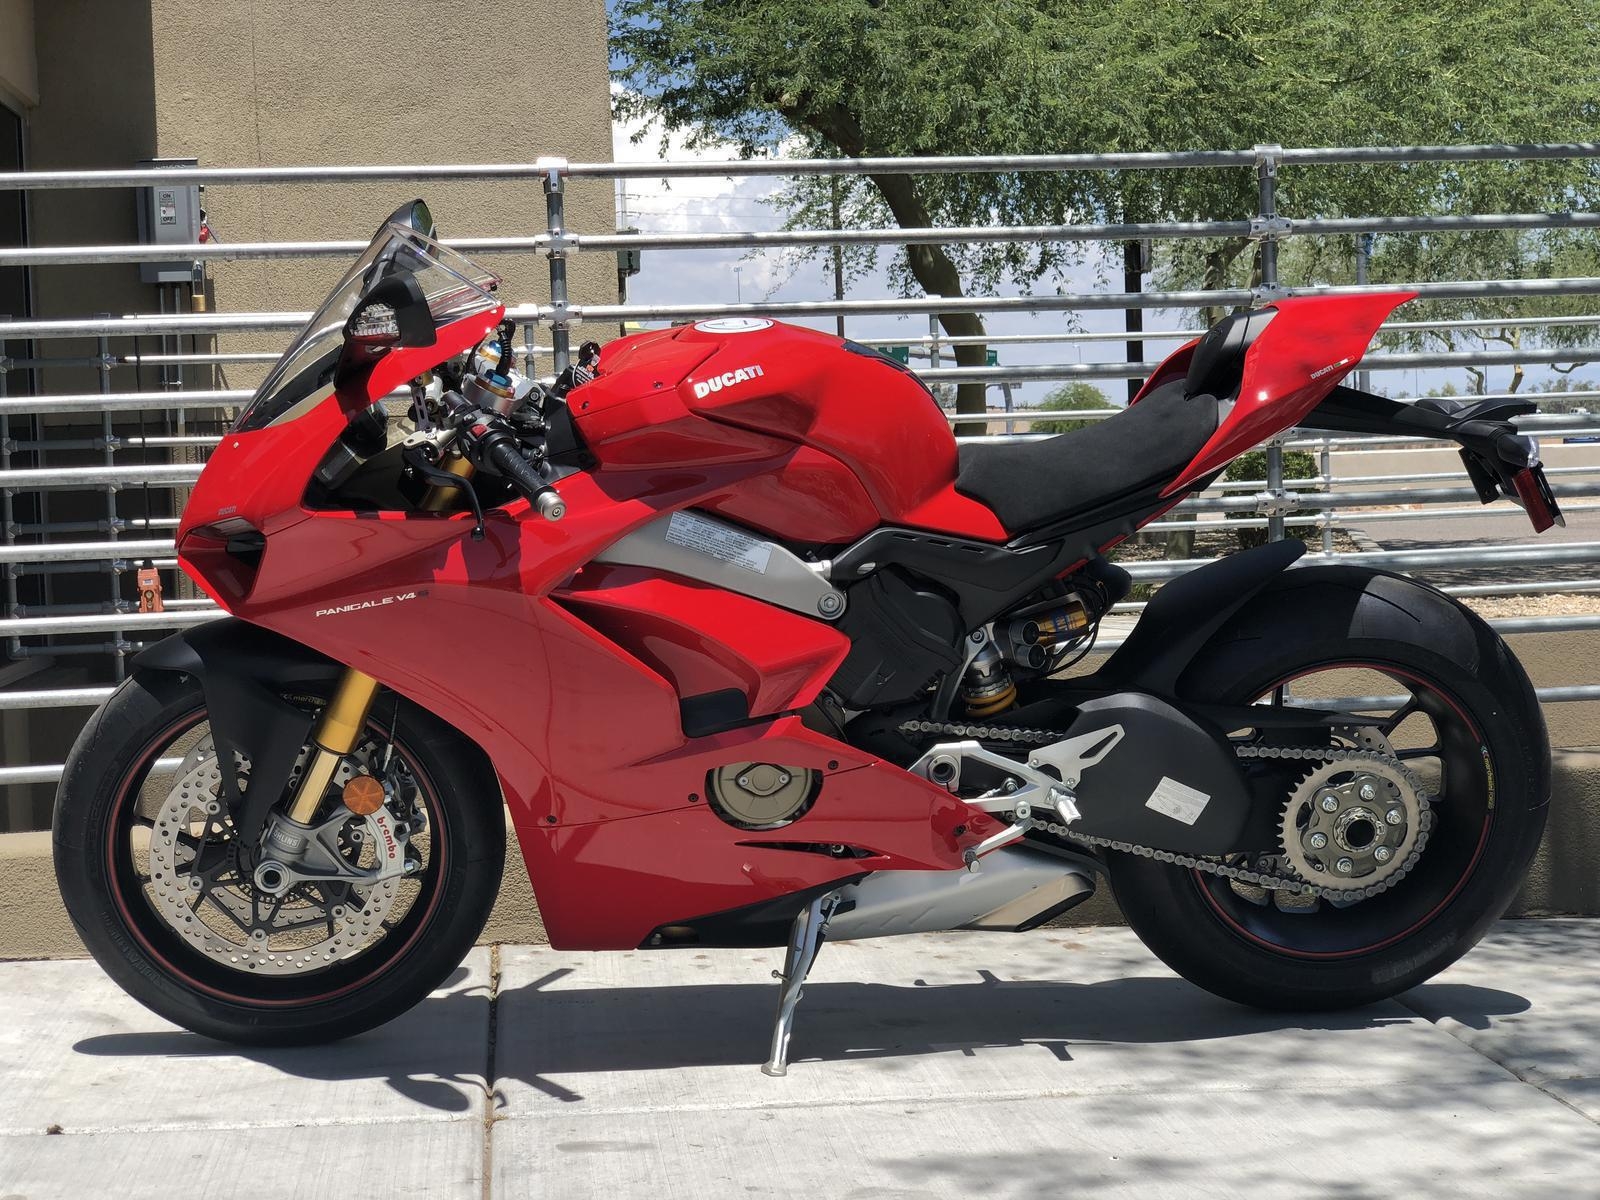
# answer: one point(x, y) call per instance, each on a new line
point(987, 687)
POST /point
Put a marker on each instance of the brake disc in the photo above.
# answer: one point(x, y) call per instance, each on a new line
point(200, 880)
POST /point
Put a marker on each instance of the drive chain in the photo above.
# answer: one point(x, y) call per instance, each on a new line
point(1211, 866)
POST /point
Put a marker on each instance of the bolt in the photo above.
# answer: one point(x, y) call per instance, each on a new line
point(1367, 792)
point(782, 779)
point(831, 604)
point(976, 637)
point(1394, 816)
point(1317, 841)
point(1383, 854)
point(1009, 786)
point(1330, 802)
point(744, 781)
point(1344, 866)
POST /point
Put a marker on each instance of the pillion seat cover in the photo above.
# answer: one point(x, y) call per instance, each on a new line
point(1031, 484)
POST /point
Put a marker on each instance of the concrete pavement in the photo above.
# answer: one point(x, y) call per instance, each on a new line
point(1009, 1066)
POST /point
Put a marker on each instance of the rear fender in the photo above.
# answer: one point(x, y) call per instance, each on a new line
point(1185, 613)
point(244, 671)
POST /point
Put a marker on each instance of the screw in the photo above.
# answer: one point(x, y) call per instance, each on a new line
point(830, 604)
point(1009, 786)
point(782, 779)
point(1394, 816)
point(1317, 841)
point(1344, 866)
point(744, 781)
point(1383, 854)
point(1367, 792)
point(976, 637)
point(1330, 803)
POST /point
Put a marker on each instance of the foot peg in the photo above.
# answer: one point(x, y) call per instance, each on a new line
point(805, 939)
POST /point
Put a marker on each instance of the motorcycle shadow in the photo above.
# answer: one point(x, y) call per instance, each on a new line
point(547, 1037)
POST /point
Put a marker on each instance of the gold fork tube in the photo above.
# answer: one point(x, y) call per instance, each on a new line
point(439, 499)
point(335, 735)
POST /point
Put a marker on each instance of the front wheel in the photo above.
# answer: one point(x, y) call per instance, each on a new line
point(173, 907)
point(1450, 703)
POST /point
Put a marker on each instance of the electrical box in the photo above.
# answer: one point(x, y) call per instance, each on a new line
point(169, 216)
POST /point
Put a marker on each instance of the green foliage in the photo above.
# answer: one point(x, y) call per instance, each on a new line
point(866, 78)
point(1070, 397)
point(1297, 464)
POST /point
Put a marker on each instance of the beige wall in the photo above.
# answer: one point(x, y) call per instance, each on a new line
point(19, 83)
point(385, 81)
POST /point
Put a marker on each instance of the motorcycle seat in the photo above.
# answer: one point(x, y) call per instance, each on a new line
point(1130, 456)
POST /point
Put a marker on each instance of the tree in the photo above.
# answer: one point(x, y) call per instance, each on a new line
point(867, 78)
point(1069, 397)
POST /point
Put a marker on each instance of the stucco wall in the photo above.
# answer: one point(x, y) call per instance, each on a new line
point(280, 82)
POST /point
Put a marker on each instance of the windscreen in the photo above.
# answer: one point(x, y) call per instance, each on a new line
point(454, 286)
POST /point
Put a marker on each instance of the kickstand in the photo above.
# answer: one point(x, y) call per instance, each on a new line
point(805, 939)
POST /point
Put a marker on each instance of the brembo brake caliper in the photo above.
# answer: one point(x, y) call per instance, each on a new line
point(294, 853)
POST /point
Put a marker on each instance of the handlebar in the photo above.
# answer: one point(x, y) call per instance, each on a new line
point(489, 442)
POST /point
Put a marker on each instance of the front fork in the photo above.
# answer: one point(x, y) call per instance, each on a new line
point(335, 735)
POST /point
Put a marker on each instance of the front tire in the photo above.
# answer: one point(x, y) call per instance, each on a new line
point(1493, 785)
point(112, 781)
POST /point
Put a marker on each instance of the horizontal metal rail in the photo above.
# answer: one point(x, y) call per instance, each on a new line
point(949, 165)
point(800, 238)
point(1078, 301)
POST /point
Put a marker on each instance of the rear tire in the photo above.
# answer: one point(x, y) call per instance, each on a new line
point(1324, 618)
point(123, 927)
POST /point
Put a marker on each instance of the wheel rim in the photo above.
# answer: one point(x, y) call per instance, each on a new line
point(1433, 736)
point(129, 863)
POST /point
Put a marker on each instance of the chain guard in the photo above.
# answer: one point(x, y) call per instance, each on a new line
point(1211, 866)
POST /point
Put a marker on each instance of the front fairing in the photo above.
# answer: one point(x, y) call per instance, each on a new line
point(255, 480)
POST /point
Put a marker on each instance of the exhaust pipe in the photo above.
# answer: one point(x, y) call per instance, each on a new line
point(1014, 890)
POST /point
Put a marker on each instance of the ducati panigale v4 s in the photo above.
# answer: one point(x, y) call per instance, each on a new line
point(755, 655)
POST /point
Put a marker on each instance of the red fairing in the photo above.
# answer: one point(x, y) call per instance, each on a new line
point(1174, 366)
point(877, 447)
point(1304, 352)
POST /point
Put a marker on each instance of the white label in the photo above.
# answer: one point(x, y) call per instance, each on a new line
point(719, 541)
point(1175, 800)
point(733, 325)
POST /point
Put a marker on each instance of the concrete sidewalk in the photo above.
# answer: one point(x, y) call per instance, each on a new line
point(1055, 1063)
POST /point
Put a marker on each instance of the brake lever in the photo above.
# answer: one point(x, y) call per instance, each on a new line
point(418, 462)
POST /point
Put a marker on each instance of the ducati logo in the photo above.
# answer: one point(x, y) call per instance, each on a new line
point(358, 605)
point(727, 379)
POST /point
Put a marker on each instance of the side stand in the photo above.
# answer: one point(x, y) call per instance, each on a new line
point(805, 939)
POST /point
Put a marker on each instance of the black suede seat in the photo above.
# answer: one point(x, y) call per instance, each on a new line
point(1133, 454)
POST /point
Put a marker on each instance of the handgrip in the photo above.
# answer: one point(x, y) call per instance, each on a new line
point(507, 460)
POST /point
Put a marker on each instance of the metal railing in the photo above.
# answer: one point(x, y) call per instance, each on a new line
point(1323, 504)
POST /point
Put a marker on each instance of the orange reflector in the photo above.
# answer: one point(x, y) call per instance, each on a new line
point(363, 795)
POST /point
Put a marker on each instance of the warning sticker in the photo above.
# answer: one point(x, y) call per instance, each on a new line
point(719, 541)
point(1175, 800)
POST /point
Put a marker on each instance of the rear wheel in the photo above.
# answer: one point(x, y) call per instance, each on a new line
point(171, 904)
point(1444, 696)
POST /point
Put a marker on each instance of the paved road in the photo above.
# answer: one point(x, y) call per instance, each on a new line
point(949, 1066)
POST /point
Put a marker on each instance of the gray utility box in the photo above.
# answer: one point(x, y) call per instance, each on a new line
point(169, 216)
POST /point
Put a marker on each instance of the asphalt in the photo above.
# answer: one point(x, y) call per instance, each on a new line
point(1047, 1064)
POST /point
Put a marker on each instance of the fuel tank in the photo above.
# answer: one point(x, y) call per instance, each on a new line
point(837, 438)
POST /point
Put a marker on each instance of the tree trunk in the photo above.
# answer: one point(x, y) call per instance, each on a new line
point(932, 268)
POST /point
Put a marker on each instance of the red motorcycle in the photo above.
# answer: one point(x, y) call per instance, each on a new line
point(755, 654)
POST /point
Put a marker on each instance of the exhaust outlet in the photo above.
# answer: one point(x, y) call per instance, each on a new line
point(1016, 889)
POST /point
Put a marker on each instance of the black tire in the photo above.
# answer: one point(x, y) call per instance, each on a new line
point(1325, 617)
point(125, 932)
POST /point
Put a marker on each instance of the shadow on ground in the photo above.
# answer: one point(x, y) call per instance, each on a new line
point(542, 1032)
